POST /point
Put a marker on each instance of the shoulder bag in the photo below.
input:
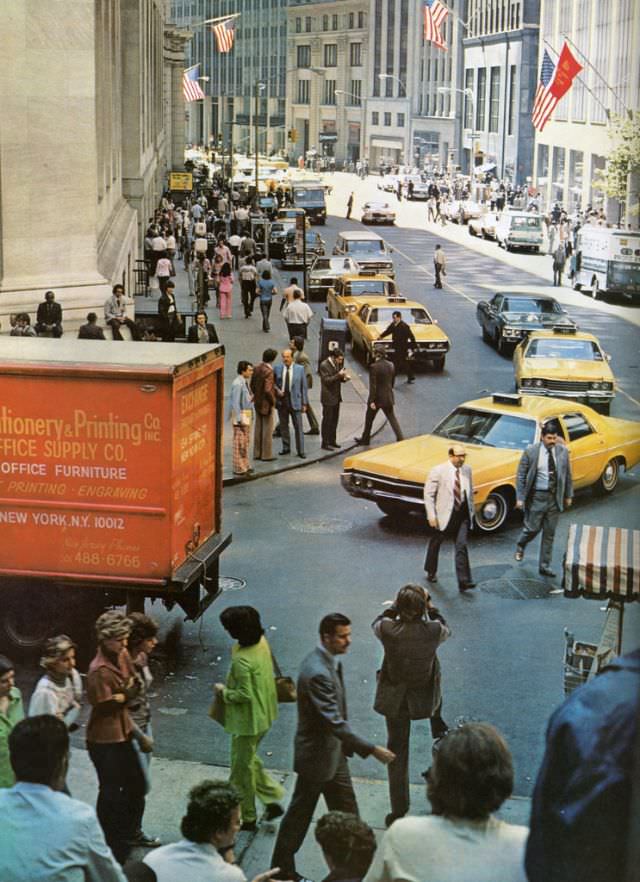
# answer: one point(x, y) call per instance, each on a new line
point(285, 686)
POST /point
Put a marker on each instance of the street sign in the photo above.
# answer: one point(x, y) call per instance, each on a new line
point(180, 181)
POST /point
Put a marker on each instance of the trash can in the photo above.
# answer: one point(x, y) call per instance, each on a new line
point(333, 335)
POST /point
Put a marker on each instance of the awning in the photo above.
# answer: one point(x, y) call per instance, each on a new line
point(383, 142)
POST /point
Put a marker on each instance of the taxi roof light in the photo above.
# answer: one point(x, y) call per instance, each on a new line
point(565, 329)
point(396, 298)
point(506, 398)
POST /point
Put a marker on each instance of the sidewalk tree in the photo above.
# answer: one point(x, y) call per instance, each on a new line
point(620, 178)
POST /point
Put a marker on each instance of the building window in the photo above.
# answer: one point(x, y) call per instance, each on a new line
point(400, 121)
point(387, 119)
point(361, 19)
point(307, 23)
point(334, 22)
point(375, 118)
point(355, 54)
point(481, 97)
point(494, 99)
point(325, 22)
point(468, 98)
point(512, 100)
point(303, 56)
point(542, 170)
point(329, 92)
point(352, 21)
point(557, 174)
point(303, 91)
point(298, 25)
point(331, 55)
point(355, 87)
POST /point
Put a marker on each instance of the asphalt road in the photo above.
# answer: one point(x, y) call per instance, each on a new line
point(302, 548)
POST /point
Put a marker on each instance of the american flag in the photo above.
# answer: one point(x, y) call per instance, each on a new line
point(435, 13)
point(544, 102)
point(190, 85)
point(224, 33)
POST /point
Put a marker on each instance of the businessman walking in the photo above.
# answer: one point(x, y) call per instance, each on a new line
point(381, 374)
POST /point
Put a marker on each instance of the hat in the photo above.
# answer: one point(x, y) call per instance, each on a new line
point(112, 624)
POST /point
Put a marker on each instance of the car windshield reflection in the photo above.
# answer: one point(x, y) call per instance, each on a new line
point(487, 428)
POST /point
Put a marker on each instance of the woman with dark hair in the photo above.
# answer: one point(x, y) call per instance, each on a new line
point(348, 846)
point(225, 287)
point(461, 841)
point(250, 708)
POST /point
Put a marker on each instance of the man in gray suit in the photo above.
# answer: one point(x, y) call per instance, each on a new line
point(448, 498)
point(324, 739)
point(291, 401)
point(544, 488)
point(381, 375)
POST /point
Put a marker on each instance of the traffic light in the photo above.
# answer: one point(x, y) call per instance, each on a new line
point(293, 135)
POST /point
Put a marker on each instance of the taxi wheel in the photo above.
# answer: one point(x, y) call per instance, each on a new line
point(608, 480)
point(493, 512)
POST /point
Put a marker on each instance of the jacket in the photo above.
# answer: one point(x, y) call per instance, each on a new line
point(323, 735)
point(298, 391)
point(581, 808)
point(410, 673)
point(15, 713)
point(250, 700)
point(49, 313)
point(381, 375)
point(262, 385)
point(331, 383)
point(303, 359)
point(528, 468)
point(401, 336)
point(438, 493)
point(192, 336)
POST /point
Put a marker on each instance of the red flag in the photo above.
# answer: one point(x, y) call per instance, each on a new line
point(567, 69)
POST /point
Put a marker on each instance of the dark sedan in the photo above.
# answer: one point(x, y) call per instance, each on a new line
point(315, 247)
point(507, 318)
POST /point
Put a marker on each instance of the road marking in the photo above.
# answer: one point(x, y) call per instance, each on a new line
point(630, 397)
point(448, 284)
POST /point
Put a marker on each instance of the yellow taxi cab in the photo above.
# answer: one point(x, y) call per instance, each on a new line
point(373, 317)
point(349, 290)
point(495, 431)
point(565, 363)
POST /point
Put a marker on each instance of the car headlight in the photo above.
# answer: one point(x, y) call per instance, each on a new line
point(526, 383)
point(511, 332)
point(537, 382)
point(350, 308)
point(601, 386)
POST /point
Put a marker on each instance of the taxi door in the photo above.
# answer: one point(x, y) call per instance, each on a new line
point(587, 448)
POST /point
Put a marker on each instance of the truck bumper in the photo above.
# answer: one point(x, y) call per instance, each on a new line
point(194, 585)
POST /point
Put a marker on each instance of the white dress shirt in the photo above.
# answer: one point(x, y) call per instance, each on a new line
point(542, 471)
point(192, 862)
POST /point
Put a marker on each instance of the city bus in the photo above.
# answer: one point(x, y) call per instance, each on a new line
point(607, 261)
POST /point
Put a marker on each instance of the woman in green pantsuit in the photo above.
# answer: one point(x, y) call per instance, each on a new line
point(250, 708)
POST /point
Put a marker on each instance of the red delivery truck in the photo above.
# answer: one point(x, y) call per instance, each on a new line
point(110, 481)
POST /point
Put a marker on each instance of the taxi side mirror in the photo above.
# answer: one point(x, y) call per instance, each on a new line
point(607, 356)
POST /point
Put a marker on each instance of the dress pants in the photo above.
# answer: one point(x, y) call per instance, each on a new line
point(370, 417)
point(247, 294)
point(541, 514)
point(338, 795)
point(398, 732)
point(284, 412)
point(438, 270)
point(330, 417)
point(248, 775)
point(458, 530)
point(122, 786)
point(402, 364)
point(262, 435)
point(313, 420)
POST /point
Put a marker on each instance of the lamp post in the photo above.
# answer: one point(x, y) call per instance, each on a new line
point(468, 93)
point(397, 79)
point(358, 103)
point(205, 116)
point(258, 88)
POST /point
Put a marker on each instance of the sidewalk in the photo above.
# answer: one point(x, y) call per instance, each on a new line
point(244, 339)
point(172, 780)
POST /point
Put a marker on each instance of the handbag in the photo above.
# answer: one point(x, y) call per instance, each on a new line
point(285, 686)
point(217, 710)
point(246, 415)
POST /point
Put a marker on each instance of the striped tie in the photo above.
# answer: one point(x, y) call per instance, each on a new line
point(457, 492)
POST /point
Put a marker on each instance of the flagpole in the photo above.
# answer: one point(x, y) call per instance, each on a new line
point(627, 110)
point(578, 77)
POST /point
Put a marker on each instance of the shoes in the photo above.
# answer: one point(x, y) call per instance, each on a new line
point(284, 453)
point(335, 446)
point(326, 447)
point(313, 432)
point(249, 826)
point(302, 456)
point(269, 459)
point(519, 555)
point(411, 379)
point(390, 818)
point(545, 571)
point(141, 840)
point(363, 441)
point(431, 577)
point(466, 586)
point(556, 591)
point(439, 734)
point(273, 810)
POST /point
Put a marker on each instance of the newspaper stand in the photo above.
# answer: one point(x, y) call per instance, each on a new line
point(600, 563)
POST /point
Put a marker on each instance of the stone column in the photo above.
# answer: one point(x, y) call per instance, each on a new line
point(175, 40)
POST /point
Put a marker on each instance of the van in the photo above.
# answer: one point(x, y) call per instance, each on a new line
point(607, 261)
point(368, 249)
point(520, 229)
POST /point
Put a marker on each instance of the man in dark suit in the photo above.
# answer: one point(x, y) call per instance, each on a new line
point(202, 331)
point(332, 376)
point(381, 375)
point(291, 401)
point(49, 316)
point(448, 498)
point(411, 630)
point(402, 338)
point(324, 739)
point(544, 488)
point(92, 330)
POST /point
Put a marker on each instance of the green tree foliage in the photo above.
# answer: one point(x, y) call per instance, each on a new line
point(624, 158)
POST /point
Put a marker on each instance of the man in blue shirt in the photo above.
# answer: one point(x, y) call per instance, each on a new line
point(45, 833)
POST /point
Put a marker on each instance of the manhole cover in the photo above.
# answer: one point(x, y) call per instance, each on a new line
point(517, 589)
point(230, 583)
point(320, 525)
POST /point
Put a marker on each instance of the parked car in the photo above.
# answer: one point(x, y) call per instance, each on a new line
point(389, 183)
point(315, 246)
point(509, 317)
point(484, 225)
point(324, 273)
point(277, 236)
point(461, 210)
point(378, 213)
point(420, 191)
point(495, 431)
point(519, 229)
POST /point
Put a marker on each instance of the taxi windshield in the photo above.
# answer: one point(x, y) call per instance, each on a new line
point(355, 289)
point(580, 350)
point(487, 428)
point(410, 316)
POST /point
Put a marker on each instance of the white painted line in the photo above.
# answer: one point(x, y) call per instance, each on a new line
point(427, 273)
point(630, 397)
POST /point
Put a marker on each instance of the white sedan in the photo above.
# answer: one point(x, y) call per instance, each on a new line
point(484, 226)
point(389, 183)
point(378, 213)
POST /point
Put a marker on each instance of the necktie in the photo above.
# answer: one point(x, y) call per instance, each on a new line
point(457, 492)
point(552, 469)
point(286, 381)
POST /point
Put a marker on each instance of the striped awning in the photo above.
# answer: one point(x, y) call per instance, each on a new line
point(602, 562)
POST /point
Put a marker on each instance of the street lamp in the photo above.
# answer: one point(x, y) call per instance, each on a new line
point(468, 93)
point(397, 79)
point(205, 119)
point(260, 87)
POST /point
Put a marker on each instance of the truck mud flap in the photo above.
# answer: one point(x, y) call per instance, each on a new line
point(195, 583)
